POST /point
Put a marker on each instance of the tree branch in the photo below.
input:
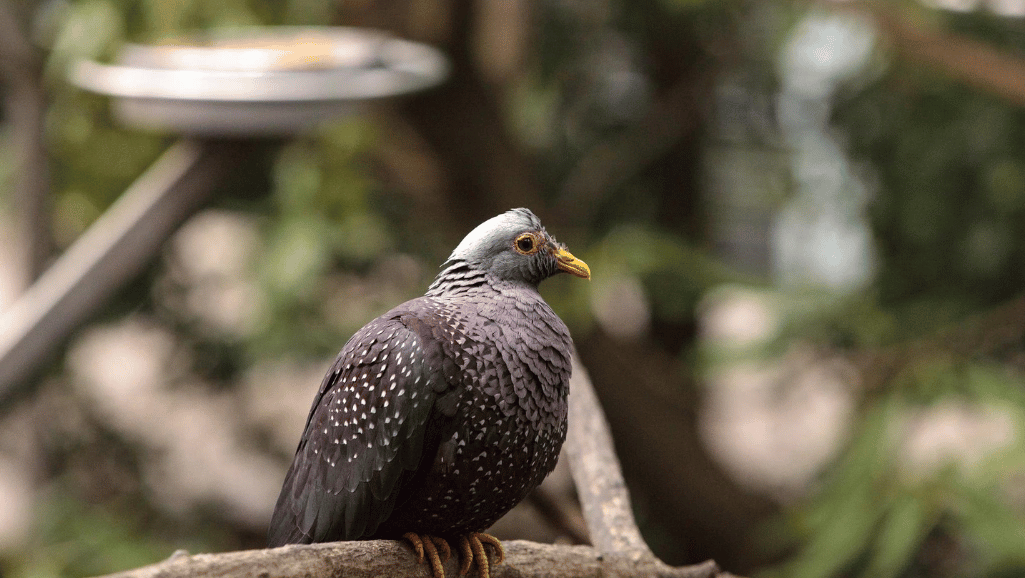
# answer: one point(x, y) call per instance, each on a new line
point(597, 474)
point(980, 335)
point(966, 59)
point(390, 558)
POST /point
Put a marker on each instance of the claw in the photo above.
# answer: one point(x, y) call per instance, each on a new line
point(467, 556)
point(426, 547)
point(472, 548)
point(418, 546)
point(437, 552)
point(494, 543)
point(446, 550)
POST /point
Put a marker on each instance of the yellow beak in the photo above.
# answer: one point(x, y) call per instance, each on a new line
point(570, 264)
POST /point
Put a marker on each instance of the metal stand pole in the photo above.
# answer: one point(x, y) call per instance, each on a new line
point(110, 253)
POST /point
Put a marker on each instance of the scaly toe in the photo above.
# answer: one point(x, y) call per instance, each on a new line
point(494, 543)
point(472, 548)
point(445, 549)
point(418, 546)
point(426, 547)
point(466, 555)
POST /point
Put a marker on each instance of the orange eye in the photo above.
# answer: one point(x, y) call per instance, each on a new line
point(527, 244)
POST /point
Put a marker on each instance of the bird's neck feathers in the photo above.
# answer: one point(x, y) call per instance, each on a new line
point(459, 276)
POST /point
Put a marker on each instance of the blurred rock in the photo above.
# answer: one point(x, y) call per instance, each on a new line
point(776, 422)
point(212, 274)
point(195, 449)
point(953, 433)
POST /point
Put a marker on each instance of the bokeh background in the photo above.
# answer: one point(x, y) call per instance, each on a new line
point(805, 219)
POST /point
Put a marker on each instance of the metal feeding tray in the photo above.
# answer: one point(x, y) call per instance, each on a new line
point(259, 81)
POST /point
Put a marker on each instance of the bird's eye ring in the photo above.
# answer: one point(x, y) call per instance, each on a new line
point(527, 244)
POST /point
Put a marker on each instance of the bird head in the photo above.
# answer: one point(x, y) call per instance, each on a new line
point(515, 247)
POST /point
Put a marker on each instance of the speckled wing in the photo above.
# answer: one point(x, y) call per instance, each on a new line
point(365, 434)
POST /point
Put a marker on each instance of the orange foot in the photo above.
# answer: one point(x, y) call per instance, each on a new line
point(472, 548)
point(428, 547)
point(436, 551)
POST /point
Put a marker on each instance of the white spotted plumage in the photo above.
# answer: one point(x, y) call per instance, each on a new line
point(452, 405)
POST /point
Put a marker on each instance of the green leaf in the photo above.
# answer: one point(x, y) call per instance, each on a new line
point(839, 542)
point(996, 530)
point(902, 529)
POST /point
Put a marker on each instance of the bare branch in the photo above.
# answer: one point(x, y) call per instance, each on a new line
point(981, 335)
point(971, 61)
point(389, 558)
point(598, 476)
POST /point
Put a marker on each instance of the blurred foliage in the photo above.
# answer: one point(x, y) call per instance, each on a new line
point(878, 515)
point(74, 539)
point(946, 164)
point(949, 163)
point(320, 219)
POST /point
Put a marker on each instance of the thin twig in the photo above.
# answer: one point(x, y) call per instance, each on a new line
point(971, 61)
point(981, 335)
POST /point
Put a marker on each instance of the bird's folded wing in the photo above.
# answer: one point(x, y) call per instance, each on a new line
point(364, 436)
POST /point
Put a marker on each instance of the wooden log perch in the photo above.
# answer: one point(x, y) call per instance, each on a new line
point(618, 551)
point(391, 558)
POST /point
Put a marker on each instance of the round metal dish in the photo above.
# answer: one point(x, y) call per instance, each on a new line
point(259, 81)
